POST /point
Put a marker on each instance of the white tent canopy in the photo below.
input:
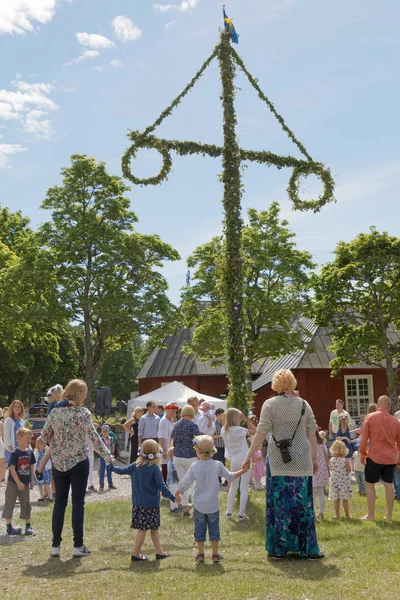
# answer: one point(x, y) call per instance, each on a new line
point(172, 392)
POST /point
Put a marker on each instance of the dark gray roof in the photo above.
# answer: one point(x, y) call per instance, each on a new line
point(289, 361)
point(169, 361)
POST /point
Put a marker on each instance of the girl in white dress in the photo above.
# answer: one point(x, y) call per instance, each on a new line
point(340, 484)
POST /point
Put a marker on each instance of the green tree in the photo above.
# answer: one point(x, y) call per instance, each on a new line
point(106, 273)
point(275, 290)
point(357, 295)
point(119, 369)
point(28, 348)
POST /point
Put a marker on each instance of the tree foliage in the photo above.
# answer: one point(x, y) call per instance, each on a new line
point(357, 295)
point(120, 367)
point(275, 290)
point(106, 274)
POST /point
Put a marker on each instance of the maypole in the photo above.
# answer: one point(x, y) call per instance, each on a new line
point(232, 158)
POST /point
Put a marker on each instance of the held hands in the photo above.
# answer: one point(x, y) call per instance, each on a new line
point(177, 496)
point(314, 464)
point(164, 454)
point(246, 464)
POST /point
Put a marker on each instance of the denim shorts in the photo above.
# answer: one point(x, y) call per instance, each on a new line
point(201, 521)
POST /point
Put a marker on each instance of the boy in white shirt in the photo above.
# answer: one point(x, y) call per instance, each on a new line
point(204, 475)
point(359, 469)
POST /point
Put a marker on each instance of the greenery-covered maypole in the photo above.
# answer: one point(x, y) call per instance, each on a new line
point(233, 276)
point(232, 156)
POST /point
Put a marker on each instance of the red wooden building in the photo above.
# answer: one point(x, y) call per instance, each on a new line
point(358, 385)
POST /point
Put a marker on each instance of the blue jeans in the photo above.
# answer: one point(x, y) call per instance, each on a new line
point(103, 469)
point(201, 521)
point(360, 479)
point(396, 483)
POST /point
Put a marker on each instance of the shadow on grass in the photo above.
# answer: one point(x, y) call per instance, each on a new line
point(55, 568)
point(11, 540)
point(301, 568)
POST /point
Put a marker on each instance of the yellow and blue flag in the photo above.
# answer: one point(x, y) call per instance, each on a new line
point(229, 26)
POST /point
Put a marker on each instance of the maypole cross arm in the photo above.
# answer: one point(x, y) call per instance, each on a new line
point(302, 167)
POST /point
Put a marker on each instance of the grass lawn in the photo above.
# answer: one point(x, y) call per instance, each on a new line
point(362, 560)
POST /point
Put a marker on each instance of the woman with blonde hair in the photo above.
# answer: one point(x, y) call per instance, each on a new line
point(131, 426)
point(181, 448)
point(236, 448)
point(70, 426)
point(291, 461)
point(15, 420)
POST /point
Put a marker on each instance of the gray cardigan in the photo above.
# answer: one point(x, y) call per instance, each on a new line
point(279, 416)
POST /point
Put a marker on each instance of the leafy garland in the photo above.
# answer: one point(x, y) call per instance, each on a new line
point(301, 167)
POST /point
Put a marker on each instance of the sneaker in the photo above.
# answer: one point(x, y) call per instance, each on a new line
point(112, 487)
point(228, 516)
point(92, 489)
point(28, 530)
point(316, 556)
point(14, 531)
point(243, 518)
point(101, 489)
point(82, 551)
point(55, 551)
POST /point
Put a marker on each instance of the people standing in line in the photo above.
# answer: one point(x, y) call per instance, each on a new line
point(104, 467)
point(148, 424)
point(20, 481)
point(335, 416)
point(382, 431)
point(132, 427)
point(44, 484)
point(343, 434)
point(321, 476)
point(2, 460)
point(167, 423)
point(236, 448)
point(193, 401)
point(147, 483)
point(205, 474)
point(359, 472)
point(70, 426)
point(340, 484)
point(14, 421)
point(181, 448)
point(219, 440)
point(291, 461)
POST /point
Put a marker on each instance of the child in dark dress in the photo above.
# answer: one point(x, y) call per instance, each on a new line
point(147, 483)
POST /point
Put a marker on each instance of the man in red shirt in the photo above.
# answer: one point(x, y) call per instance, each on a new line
point(382, 431)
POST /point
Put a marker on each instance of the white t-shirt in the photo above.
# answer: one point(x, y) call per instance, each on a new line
point(203, 423)
point(235, 441)
point(164, 431)
point(204, 474)
point(334, 419)
point(397, 415)
point(358, 466)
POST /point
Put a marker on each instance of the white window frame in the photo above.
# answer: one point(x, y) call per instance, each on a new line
point(370, 378)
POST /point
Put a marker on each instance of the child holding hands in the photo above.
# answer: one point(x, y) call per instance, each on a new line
point(205, 474)
point(340, 484)
point(147, 483)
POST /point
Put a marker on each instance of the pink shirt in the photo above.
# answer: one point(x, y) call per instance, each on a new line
point(382, 430)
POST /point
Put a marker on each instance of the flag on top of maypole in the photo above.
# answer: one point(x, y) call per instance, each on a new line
point(229, 26)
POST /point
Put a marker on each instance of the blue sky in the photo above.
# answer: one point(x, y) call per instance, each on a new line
point(76, 75)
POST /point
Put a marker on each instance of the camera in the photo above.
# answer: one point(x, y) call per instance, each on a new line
point(284, 446)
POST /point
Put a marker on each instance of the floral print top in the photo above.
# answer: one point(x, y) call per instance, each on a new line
point(70, 427)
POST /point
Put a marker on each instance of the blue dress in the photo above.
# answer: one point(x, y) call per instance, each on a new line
point(347, 442)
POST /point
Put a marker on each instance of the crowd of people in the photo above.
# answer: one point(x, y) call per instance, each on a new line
point(187, 458)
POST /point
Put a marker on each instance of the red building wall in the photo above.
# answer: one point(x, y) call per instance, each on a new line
point(322, 391)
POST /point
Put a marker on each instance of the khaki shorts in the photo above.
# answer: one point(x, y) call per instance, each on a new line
point(12, 493)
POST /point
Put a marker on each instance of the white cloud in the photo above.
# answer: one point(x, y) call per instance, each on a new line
point(22, 16)
point(125, 29)
point(94, 40)
point(163, 8)
point(38, 125)
point(170, 25)
point(116, 63)
point(98, 68)
point(7, 150)
point(188, 5)
point(30, 104)
point(87, 55)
